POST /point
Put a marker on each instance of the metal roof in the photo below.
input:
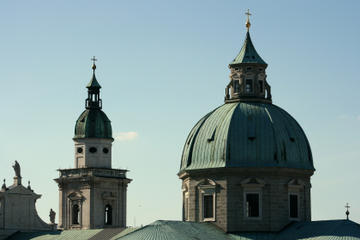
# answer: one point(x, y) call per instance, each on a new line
point(93, 82)
point(177, 230)
point(56, 235)
point(253, 236)
point(248, 53)
point(245, 134)
point(93, 123)
point(316, 230)
point(90, 234)
point(322, 230)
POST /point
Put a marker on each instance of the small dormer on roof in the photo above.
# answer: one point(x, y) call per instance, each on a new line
point(248, 77)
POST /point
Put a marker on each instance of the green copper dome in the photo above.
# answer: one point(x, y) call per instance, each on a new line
point(93, 123)
point(247, 134)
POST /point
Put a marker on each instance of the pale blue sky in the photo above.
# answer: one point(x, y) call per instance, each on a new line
point(162, 66)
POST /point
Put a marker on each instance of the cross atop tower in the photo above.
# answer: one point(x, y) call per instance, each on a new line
point(248, 19)
point(347, 206)
point(93, 59)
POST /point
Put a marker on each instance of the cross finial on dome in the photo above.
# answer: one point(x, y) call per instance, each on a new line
point(347, 206)
point(248, 24)
point(93, 59)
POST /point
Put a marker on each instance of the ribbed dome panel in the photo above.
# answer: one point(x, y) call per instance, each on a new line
point(247, 135)
point(93, 123)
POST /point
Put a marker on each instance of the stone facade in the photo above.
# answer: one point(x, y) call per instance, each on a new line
point(273, 185)
point(17, 208)
point(248, 83)
point(92, 190)
point(85, 157)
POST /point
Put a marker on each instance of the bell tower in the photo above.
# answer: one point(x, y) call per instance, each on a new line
point(93, 133)
point(92, 194)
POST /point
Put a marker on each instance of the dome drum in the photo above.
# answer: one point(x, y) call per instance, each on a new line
point(230, 189)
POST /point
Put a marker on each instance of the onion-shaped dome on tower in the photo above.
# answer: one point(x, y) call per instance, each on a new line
point(93, 122)
point(248, 130)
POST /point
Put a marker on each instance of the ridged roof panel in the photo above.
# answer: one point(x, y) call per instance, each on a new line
point(93, 82)
point(176, 230)
point(248, 53)
point(93, 123)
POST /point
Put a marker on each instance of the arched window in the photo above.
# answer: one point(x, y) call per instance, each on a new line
point(108, 215)
point(248, 86)
point(75, 214)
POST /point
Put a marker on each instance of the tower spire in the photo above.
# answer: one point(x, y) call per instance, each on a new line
point(93, 100)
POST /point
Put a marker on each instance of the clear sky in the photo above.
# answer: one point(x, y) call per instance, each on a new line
point(162, 66)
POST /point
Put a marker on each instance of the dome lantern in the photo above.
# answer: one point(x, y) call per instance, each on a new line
point(93, 100)
point(247, 74)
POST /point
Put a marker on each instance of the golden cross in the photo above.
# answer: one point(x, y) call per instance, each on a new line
point(248, 19)
point(248, 14)
point(93, 66)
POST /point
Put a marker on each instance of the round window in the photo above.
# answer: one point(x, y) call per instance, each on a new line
point(93, 150)
point(105, 150)
point(79, 150)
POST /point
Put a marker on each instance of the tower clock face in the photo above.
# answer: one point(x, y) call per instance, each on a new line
point(79, 150)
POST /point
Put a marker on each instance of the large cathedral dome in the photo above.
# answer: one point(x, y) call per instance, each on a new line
point(246, 166)
point(248, 130)
point(247, 134)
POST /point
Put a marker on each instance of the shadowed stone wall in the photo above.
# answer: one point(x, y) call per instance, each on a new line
point(272, 184)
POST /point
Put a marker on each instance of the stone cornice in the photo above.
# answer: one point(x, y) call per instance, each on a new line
point(271, 171)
